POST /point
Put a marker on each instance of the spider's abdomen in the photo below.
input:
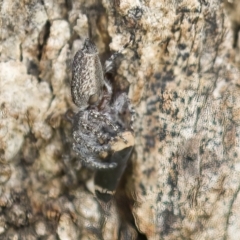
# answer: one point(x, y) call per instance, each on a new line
point(87, 76)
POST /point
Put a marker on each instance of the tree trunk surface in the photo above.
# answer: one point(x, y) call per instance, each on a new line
point(182, 76)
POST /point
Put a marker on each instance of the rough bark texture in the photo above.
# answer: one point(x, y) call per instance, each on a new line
point(183, 178)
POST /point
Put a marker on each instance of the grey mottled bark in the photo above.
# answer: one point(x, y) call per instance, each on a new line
point(183, 78)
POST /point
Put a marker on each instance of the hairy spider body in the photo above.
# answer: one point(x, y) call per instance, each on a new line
point(101, 119)
point(94, 130)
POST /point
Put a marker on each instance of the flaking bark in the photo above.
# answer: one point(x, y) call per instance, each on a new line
point(182, 73)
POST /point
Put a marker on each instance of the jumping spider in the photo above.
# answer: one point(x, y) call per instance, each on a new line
point(103, 119)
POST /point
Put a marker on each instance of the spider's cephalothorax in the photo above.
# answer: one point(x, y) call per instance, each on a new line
point(103, 119)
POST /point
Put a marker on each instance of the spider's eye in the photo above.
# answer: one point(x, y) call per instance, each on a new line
point(93, 99)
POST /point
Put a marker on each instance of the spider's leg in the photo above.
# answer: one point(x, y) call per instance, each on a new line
point(122, 104)
point(109, 63)
point(90, 142)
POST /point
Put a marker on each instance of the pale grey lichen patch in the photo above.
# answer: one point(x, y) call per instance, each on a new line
point(59, 35)
point(20, 25)
point(185, 175)
point(81, 27)
point(23, 106)
point(55, 9)
point(66, 228)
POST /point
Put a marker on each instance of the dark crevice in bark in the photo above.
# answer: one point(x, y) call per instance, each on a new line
point(125, 203)
point(42, 39)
